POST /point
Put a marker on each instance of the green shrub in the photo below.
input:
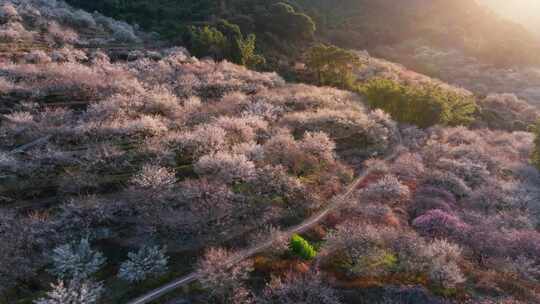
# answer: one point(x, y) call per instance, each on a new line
point(285, 22)
point(207, 41)
point(224, 41)
point(333, 66)
point(423, 106)
point(300, 247)
point(376, 262)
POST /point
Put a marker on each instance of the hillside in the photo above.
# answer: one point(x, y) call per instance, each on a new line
point(126, 164)
point(360, 24)
point(463, 25)
point(461, 42)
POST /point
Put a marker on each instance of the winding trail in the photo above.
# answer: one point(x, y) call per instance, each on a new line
point(244, 254)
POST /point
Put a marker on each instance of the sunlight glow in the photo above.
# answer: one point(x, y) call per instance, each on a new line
point(526, 12)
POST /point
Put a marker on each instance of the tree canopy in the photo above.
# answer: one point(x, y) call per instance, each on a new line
point(224, 41)
point(423, 106)
point(332, 65)
point(284, 21)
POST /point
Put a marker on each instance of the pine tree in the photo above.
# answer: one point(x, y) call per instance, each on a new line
point(76, 261)
point(149, 261)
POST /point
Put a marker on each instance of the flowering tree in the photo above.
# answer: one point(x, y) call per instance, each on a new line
point(149, 261)
point(387, 190)
point(77, 260)
point(430, 198)
point(293, 288)
point(154, 178)
point(442, 263)
point(361, 249)
point(507, 112)
point(448, 181)
point(75, 292)
point(536, 153)
point(221, 279)
point(437, 223)
point(226, 167)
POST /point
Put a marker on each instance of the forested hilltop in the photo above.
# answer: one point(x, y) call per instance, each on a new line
point(362, 24)
point(127, 164)
point(461, 42)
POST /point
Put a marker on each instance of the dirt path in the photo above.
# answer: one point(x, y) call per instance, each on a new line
point(242, 255)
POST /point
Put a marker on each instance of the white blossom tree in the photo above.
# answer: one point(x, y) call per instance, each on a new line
point(442, 259)
point(223, 282)
point(75, 292)
point(299, 289)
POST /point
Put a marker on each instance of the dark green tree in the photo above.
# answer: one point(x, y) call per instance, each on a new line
point(224, 41)
point(285, 22)
point(247, 52)
point(423, 106)
point(234, 37)
point(207, 41)
point(332, 65)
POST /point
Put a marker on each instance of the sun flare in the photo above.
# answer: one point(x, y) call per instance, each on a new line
point(526, 12)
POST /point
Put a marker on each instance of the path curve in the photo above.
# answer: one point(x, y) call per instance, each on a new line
point(242, 255)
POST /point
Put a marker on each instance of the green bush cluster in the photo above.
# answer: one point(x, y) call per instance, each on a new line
point(423, 106)
point(302, 248)
point(333, 66)
point(285, 27)
point(281, 29)
point(285, 21)
point(223, 41)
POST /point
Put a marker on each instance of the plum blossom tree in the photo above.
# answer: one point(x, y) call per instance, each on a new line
point(429, 198)
point(226, 167)
point(387, 190)
point(307, 288)
point(408, 166)
point(154, 178)
point(437, 223)
point(319, 145)
point(507, 112)
point(75, 292)
point(442, 259)
point(361, 248)
point(222, 280)
point(205, 139)
point(448, 181)
point(37, 57)
point(446, 274)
